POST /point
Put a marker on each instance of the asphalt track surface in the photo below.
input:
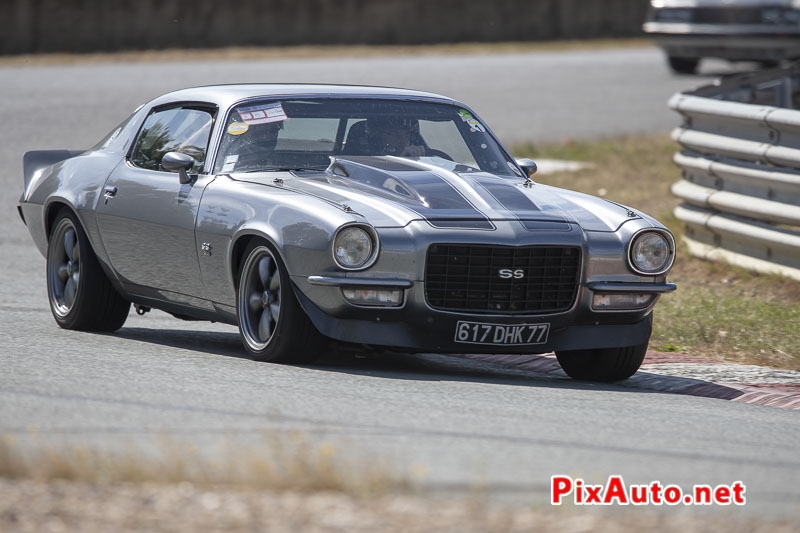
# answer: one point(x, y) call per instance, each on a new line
point(470, 423)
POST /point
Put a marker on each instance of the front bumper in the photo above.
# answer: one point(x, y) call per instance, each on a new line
point(417, 327)
point(736, 42)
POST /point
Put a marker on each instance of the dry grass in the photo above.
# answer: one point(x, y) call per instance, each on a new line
point(635, 171)
point(316, 51)
point(719, 310)
point(292, 463)
point(280, 485)
point(69, 506)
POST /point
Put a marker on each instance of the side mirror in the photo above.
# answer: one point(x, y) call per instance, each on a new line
point(527, 165)
point(178, 162)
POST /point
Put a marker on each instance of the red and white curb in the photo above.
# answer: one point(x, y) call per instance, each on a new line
point(684, 374)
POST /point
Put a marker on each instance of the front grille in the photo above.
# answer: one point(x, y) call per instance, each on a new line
point(543, 279)
point(712, 15)
point(738, 15)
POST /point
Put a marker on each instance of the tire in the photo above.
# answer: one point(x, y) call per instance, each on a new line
point(81, 297)
point(683, 65)
point(604, 364)
point(273, 326)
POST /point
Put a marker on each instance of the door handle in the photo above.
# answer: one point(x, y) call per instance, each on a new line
point(108, 192)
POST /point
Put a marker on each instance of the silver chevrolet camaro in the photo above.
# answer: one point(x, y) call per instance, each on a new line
point(376, 216)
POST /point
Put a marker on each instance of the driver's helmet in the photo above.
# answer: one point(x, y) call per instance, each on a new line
point(264, 135)
point(381, 127)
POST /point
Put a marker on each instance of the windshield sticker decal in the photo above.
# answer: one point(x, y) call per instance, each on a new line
point(230, 163)
point(474, 125)
point(237, 128)
point(263, 114)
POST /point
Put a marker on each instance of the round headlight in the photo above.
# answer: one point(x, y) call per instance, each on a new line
point(353, 247)
point(651, 253)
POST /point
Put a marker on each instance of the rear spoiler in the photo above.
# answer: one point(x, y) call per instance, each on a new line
point(39, 159)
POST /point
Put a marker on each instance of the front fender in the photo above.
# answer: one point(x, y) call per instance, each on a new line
point(300, 228)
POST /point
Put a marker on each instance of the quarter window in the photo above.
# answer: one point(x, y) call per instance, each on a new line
point(177, 129)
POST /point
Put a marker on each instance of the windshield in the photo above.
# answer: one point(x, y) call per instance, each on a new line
point(304, 134)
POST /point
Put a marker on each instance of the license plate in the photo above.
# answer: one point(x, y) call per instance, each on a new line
point(506, 334)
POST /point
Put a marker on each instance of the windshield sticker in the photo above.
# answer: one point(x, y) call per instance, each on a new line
point(465, 115)
point(263, 114)
point(237, 128)
point(474, 125)
point(230, 163)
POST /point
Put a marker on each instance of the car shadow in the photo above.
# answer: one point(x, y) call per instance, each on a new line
point(378, 363)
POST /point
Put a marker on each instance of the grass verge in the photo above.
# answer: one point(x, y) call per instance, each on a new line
point(298, 487)
point(316, 51)
point(718, 310)
point(290, 462)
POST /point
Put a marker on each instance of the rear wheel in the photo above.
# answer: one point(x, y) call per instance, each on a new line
point(683, 65)
point(81, 297)
point(273, 326)
point(603, 364)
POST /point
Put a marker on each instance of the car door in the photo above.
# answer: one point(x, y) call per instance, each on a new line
point(147, 216)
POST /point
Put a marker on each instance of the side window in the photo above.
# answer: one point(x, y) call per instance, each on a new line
point(177, 129)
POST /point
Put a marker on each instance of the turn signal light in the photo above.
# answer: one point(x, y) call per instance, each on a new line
point(374, 297)
point(624, 301)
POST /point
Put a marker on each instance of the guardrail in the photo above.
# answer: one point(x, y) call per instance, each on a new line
point(740, 158)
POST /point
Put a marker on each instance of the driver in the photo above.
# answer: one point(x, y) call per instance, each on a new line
point(256, 146)
point(396, 136)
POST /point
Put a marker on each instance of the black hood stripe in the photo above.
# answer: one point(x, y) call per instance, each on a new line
point(508, 196)
point(446, 206)
point(417, 187)
point(520, 206)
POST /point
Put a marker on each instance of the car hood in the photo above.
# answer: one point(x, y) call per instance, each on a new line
point(392, 192)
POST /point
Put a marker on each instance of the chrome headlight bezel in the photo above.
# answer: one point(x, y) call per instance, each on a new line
point(668, 239)
point(374, 243)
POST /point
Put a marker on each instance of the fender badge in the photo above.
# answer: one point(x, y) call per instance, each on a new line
point(206, 247)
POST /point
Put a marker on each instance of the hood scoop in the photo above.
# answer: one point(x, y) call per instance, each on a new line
point(374, 180)
point(415, 186)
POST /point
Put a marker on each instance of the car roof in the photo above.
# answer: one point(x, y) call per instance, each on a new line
point(228, 95)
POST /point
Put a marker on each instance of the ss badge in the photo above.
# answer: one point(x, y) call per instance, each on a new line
point(507, 273)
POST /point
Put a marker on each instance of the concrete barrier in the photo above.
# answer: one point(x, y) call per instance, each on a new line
point(33, 26)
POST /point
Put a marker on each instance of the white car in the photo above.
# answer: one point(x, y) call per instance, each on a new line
point(767, 31)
